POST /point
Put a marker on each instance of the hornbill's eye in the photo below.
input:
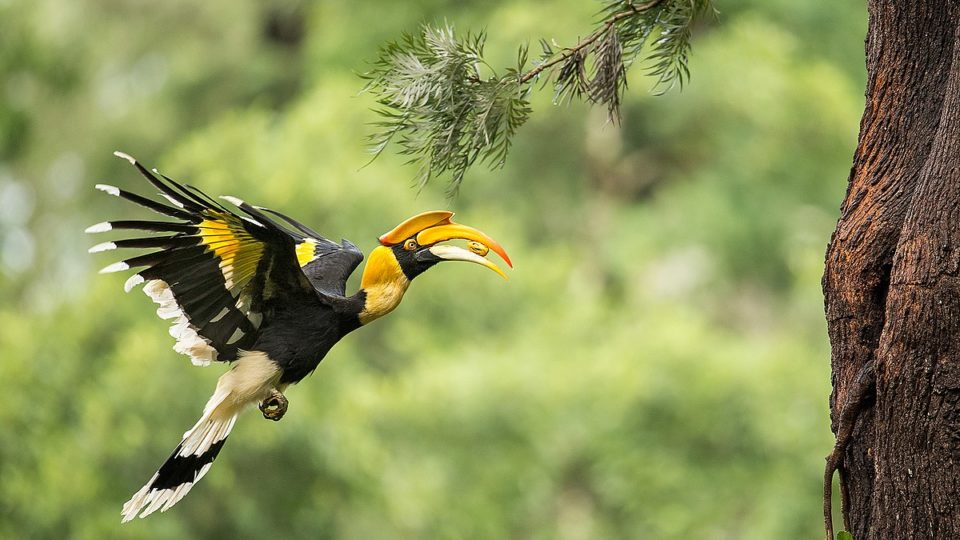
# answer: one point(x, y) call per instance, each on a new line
point(410, 244)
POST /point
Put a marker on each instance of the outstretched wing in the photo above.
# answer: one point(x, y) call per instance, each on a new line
point(215, 273)
point(326, 264)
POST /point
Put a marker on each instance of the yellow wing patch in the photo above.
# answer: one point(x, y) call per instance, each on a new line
point(238, 251)
point(306, 251)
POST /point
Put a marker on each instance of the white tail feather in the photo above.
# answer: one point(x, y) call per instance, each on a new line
point(252, 379)
point(214, 426)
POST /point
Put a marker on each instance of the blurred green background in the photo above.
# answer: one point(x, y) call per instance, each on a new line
point(657, 366)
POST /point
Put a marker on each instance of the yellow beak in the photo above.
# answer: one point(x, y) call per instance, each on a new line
point(414, 225)
point(430, 228)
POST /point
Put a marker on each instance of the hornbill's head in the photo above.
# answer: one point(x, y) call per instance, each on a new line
point(415, 246)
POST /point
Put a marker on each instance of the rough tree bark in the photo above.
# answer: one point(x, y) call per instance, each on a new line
point(892, 283)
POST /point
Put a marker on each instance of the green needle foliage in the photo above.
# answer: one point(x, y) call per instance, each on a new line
point(447, 108)
point(438, 104)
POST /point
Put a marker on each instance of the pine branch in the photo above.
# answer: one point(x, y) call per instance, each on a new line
point(607, 25)
point(446, 107)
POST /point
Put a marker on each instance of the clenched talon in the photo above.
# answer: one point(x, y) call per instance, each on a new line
point(274, 407)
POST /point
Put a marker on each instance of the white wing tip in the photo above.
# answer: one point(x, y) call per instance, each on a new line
point(99, 227)
point(115, 267)
point(125, 156)
point(232, 200)
point(173, 201)
point(105, 246)
point(134, 280)
point(112, 190)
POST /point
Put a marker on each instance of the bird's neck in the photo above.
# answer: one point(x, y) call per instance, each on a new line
point(382, 285)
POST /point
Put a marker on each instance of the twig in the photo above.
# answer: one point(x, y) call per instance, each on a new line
point(567, 53)
point(864, 388)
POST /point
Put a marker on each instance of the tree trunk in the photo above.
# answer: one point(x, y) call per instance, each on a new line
point(892, 282)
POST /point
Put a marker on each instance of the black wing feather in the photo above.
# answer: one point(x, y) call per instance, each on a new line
point(165, 242)
point(332, 266)
point(159, 208)
point(307, 231)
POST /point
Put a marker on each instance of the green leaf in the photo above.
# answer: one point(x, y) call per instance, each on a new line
point(844, 535)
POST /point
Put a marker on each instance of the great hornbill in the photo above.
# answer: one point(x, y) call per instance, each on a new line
point(265, 293)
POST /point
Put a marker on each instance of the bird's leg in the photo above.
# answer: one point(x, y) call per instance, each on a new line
point(274, 406)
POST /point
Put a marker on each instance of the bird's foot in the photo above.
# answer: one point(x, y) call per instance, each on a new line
point(274, 406)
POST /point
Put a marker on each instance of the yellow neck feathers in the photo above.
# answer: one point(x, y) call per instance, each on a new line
point(384, 282)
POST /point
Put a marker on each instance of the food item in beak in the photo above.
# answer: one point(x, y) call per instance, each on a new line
point(478, 248)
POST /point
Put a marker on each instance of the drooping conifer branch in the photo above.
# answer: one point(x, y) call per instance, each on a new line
point(447, 108)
